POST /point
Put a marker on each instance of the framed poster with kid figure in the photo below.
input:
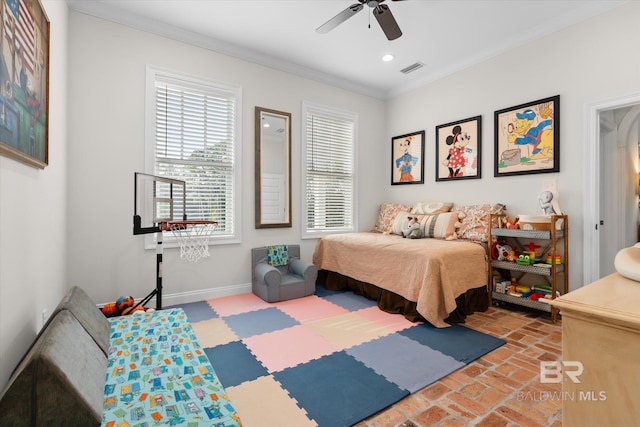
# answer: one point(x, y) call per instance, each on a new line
point(407, 159)
point(459, 149)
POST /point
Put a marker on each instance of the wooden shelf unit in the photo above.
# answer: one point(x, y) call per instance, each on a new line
point(557, 236)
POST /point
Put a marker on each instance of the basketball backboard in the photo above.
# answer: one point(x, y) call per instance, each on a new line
point(157, 200)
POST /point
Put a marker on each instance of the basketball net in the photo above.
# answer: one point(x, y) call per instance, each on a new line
point(193, 238)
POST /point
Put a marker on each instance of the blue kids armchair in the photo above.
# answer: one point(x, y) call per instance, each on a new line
point(278, 273)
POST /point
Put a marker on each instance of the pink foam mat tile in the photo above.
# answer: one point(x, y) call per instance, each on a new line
point(237, 304)
point(288, 347)
point(394, 322)
point(310, 308)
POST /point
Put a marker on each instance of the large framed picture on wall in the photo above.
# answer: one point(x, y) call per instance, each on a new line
point(459, 150)
point(24, 82)
point(407, 159)
point(527, 138)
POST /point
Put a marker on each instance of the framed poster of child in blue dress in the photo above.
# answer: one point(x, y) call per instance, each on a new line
point(24, 82)
point(407, 159)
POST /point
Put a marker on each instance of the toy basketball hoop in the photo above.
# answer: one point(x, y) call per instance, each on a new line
point(192, 236)
point(157, 201)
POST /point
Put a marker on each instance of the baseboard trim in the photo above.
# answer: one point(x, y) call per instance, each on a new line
point(195, 296)
point(203, 294)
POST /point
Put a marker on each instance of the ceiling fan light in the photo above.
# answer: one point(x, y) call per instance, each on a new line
point(387, 57)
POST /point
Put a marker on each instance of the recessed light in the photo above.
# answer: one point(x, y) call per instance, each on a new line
point(388, 57)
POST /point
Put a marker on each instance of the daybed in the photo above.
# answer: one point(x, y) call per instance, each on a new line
point(442, 276)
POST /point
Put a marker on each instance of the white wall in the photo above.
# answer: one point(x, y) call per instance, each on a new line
point(33, 218)
point(592, 61)
point(106, 147)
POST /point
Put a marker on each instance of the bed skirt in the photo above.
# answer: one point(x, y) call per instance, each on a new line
point(468, 303)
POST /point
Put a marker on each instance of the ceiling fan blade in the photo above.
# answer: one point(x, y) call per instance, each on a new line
point(339, 18)
point(387, 22)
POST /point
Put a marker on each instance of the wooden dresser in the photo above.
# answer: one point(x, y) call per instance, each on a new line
point(601, 330)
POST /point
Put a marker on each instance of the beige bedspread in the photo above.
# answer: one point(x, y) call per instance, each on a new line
point(430, 272)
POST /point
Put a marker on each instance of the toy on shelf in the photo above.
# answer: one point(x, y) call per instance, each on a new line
point(531, 251)
point(557, 262)
point(523, 260)
point(511, 225)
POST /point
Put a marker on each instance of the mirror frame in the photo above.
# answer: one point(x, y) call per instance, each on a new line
point(259, 114)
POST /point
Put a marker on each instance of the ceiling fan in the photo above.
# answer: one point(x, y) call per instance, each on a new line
point(380, 11)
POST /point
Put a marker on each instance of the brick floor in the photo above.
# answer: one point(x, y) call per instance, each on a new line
point(501, 389)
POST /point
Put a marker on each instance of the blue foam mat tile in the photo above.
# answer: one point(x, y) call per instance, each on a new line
point(459, 342)
point(234, 363)
point(338, 390)
point(259, 322)
point(415, 367)
point(197, 311)
point(350, 301)
point(323, 292)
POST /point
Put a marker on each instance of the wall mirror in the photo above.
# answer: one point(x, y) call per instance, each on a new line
point(273, 168)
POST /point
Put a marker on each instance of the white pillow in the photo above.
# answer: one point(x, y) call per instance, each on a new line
point(427, 208)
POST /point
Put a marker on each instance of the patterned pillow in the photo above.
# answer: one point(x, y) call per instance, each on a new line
point(441, 226)
point(278, 255)
point(422, 208)
point(387, 216)
point(401, 222)
point(474, 222)
point(437, 226)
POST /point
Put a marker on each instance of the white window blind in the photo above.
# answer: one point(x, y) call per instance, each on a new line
point(329, 171)
point(195, 140)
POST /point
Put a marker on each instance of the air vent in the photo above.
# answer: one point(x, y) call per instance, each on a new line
point(411, 68)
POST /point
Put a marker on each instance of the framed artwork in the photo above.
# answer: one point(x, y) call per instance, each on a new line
point(24, 82)
point(527, 138)
point(407, 159)
point(458, 149)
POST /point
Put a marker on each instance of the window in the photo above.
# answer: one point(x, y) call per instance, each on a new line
point(193, 135)
point(329, 137)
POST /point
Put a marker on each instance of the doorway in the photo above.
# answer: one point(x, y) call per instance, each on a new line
point(611, 184)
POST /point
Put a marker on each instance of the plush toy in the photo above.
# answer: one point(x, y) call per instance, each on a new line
point(507, 223)
point(133, 309)
point(109, 309)
point(413, 228)
point(123, 303)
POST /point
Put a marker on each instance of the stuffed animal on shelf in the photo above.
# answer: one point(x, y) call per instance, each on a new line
point(413, 229)
point(507, 223)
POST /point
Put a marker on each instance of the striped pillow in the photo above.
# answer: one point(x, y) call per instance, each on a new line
point(441, 226)
point(437, 226)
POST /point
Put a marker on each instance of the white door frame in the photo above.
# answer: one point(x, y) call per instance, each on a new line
point(591, 177)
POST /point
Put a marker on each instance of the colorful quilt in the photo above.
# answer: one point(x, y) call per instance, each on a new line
point(158, 374)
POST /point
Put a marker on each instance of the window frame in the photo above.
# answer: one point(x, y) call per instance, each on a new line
point(155, 73)
point(339, 114)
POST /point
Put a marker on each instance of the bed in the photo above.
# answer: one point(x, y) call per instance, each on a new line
point(439, 279)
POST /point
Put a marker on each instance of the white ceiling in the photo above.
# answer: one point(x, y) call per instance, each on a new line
point(445, 35)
